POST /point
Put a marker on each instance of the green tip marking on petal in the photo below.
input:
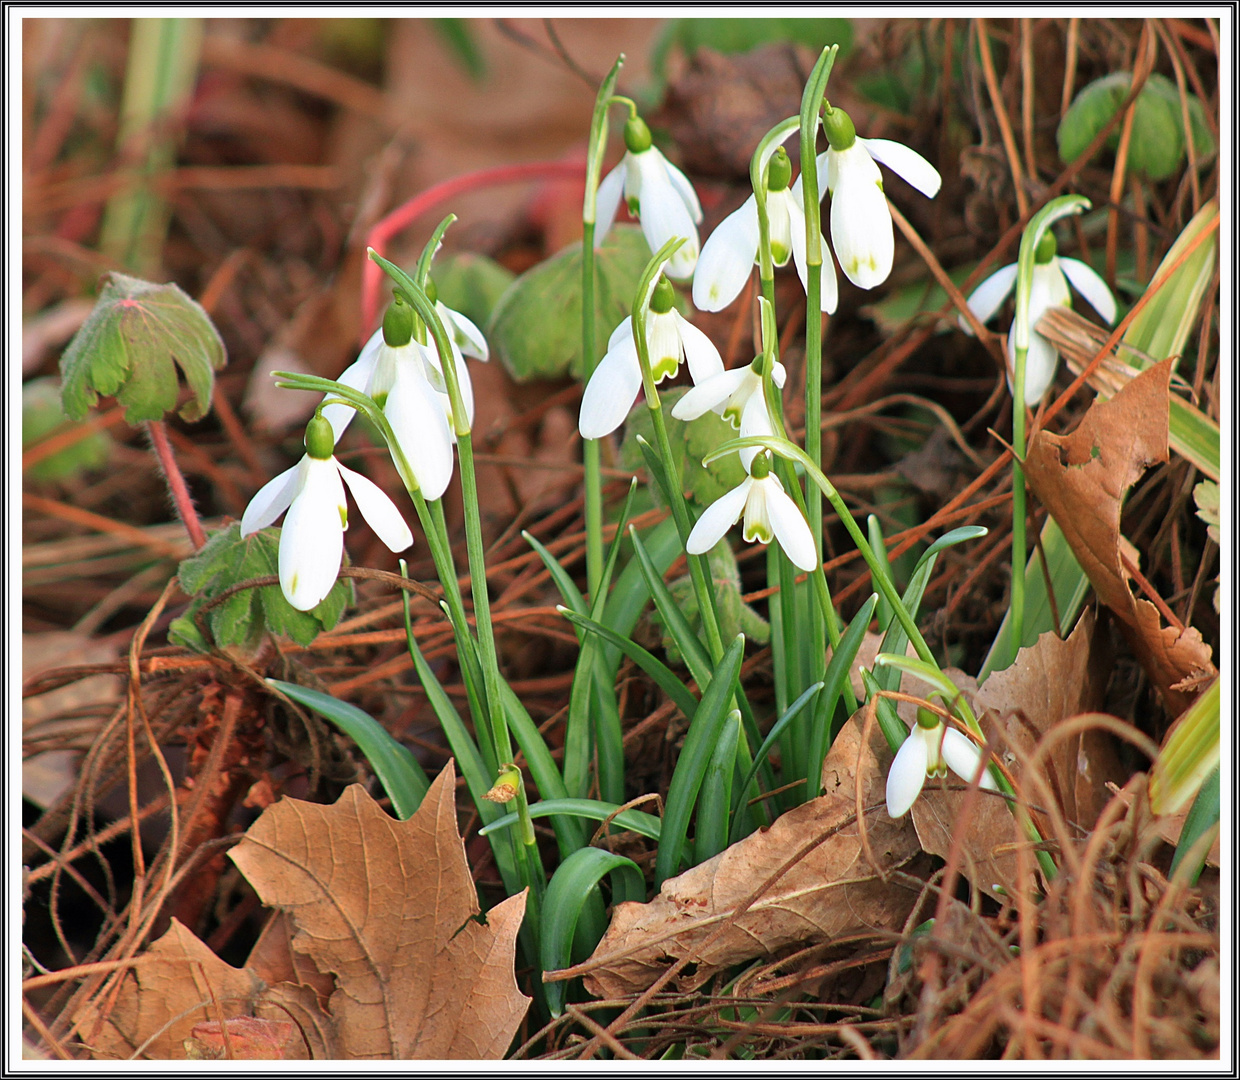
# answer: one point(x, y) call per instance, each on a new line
point(664, 367)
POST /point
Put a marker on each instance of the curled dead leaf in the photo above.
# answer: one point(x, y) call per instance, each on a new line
point(1081, 479)
point(819, 894)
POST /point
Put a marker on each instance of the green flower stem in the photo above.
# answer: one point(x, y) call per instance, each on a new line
point(591, 461)
point(1038, 224)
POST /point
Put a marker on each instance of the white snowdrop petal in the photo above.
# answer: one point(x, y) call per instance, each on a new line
point(727, 258)
point(312, 540)
point(421, 428)
point(861, 230)
point(607, 202)
point(685, 190)
point(824, 173)
point(963, 756)
point(664, 216)
point(1090, 286)
point(907, 776)
point(718, 518)
point(779, 374)
point(611, 391)
point(1041, 361)
point(782, 226)
point(905, 162)
point(270, 501)
point(712, 393)
point(790, 528)
point(700, 352)
point(378, 510)
point(357, 376)
point(988, 297)
point(755, 420)
point(622, 331)
point(663, 344)
point(467, 332)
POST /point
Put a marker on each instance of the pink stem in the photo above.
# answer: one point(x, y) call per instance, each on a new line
point(404, 216)
point(177, 488)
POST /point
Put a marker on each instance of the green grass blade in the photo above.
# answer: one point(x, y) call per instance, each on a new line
point(644, 659)
point(879, 544)
point(608, 734)
point(772, 737)
point(703, 734)
point(398, 771)
point(690, 645)
point(571, 595)
point(575, 879)
point(637, 821)
point(715, 801)
point(842, 660)
point(1203, 817)
point(630, 594)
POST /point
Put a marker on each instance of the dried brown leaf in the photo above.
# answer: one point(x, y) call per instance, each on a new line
point(175, 985)
point(274, 960)
point(1081, 479)
point(243, 1038)
point(389, 908)
point(831, 892)
point(1049, 682)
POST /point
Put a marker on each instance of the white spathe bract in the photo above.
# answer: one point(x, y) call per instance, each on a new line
point(312, 540)
point(401, 377)
point(931, 752)
point(769, 514)
point(861, 229)
point(1049, 286)
point(732, 249)
point(664, 201)
point(612, 389)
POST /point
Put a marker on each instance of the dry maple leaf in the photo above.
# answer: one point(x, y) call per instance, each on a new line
point(1081, 479)
point(377, 952)
point(831, 892)
point(389, 908)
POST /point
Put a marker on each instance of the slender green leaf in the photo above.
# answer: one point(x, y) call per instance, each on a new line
point(647, 661)
point(637, 821)
point(568, 588)
point(703, 734)
point(691, 647)
point(879, 544)
point(715, 801)
point(397, 769)
point(1203, 817)
point(575, 879)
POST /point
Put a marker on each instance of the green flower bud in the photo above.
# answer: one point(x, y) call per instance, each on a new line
point(398, 323)
point(663, 298)
point(839, 128)
point(760, 467)
point(1047, 248)
point(432, 292)
point(319, 440)
point(637, 138)
point(779, 171)
point(759, 365)
point(927, 718)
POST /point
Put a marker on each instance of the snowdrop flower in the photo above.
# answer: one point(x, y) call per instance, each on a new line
point(1049, 287)
point(312, 540)
point(930, 750)
point(737, 396)
point(466, 340)
point(398, 372)
point(732, 249)
point(612, 389)
point(658, 194)
point(768, 510)
point(861, 229)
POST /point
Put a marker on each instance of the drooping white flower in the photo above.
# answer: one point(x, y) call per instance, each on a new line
point(398, 373)
point(1049, 286)
point(930, 750)
point(658, 194)
point(613, 387)
point(312, 540)
point(861, 229)
point(737, 396)
point(769, 514)
point(732, 249)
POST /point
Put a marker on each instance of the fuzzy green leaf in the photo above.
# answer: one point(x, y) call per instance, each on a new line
point(131, 345)
point(471, 284)
point(536, 326)
point(241, 620)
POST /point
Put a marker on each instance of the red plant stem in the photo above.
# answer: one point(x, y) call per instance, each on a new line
point(177, 487)
point(404, 216)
